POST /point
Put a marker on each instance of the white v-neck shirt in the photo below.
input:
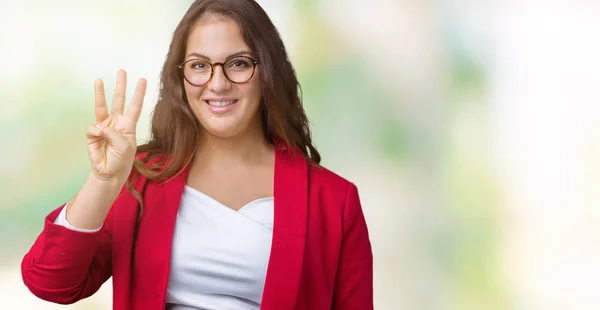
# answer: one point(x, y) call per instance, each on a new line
point(219, 256)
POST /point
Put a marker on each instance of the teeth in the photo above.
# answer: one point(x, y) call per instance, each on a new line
point(221, 103)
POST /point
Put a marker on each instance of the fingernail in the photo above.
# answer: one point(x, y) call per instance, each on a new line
point(100, 126)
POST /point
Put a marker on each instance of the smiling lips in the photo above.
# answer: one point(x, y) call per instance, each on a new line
point(220, 106)
point(216, 103)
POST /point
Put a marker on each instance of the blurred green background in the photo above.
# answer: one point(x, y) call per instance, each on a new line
point(470, 127)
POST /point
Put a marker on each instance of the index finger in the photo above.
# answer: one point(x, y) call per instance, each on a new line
point(100, 108)
point(135, 108)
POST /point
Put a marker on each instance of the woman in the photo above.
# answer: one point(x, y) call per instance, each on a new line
point(226, 206)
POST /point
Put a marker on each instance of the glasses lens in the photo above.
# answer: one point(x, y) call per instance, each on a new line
point(239, 69)
point(197, 72)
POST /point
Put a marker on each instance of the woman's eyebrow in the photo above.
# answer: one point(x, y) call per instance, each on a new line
point(230, 56)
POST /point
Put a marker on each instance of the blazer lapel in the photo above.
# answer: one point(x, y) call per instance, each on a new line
point(164, 238)
point(124, 223)
point(289, 231)
point(152, 247)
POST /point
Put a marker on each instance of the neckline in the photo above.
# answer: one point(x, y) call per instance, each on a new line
point(206, 196)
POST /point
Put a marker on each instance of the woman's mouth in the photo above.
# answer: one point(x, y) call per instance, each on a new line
point(220, 106)
point(216, 103)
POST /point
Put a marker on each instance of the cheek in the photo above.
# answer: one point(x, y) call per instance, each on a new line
point(254, 92)
point(192, 92)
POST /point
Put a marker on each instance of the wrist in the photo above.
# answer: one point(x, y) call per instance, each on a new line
point(108, 184)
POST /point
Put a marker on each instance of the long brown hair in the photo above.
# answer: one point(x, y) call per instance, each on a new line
point(175, 129)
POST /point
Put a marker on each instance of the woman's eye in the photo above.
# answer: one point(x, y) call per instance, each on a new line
point(199, 65)
point(239, 64)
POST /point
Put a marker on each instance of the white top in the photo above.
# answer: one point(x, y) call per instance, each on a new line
point(219, 256)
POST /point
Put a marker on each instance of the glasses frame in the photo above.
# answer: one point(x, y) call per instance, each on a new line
point(212, 69)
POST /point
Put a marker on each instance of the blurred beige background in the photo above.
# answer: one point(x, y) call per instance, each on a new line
point(472, 129)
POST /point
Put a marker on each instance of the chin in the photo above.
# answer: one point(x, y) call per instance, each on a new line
point(221, 132)
point(224, 127)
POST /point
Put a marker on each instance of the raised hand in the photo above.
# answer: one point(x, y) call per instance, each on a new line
point(112, 140)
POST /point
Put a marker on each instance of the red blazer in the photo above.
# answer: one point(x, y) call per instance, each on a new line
point(320, 257)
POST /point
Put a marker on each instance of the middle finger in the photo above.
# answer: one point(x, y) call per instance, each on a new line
point(118, 103)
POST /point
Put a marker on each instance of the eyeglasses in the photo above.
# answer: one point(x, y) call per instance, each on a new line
point(199, 72)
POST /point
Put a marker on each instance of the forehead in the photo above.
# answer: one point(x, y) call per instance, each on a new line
point(216, 38)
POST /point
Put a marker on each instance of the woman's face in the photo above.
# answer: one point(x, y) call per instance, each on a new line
point(223, 108)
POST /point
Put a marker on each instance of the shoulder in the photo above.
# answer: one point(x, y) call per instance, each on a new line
point(321, 174)
point(292, 164)
point(144, 165)
point(326, 182)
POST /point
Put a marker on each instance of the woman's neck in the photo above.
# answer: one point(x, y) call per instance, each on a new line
point(250, 147)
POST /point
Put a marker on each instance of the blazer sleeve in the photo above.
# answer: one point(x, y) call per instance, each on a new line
point(64, 265)
point(354, 277)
